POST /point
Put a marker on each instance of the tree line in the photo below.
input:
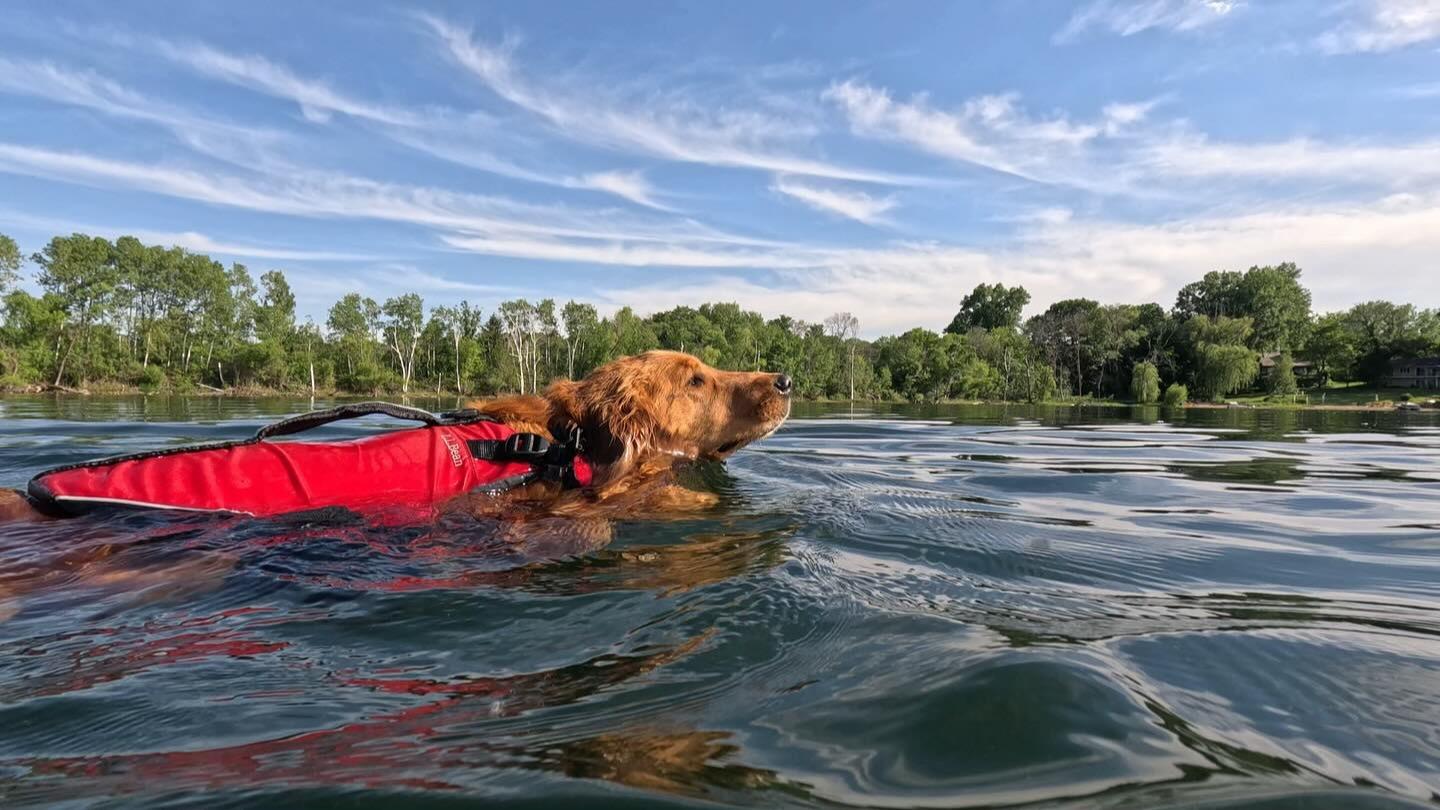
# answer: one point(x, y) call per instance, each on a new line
point(124, 313)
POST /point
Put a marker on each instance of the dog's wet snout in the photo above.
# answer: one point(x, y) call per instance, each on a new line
point(783, 383)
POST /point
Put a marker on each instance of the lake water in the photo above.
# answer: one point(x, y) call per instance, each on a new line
point(918, 607)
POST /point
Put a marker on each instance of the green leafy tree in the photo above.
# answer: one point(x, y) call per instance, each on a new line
point(1145, 383)
point(905, 359)
point(456, 325)
point(1157, 335)
point(1382, 331)
point(275, 315)
point(1272, 297)
point(1223, 369)
point(268, 358)
point(28, 336)
point(80, 271)
point(1330, 345)
point(1022, 370)
point(10, 262)
point(232, 317)
point(1067, 334)
point(1218, 294)
point(990, 306)
point(146, 277)
point(402, 323)
point(630, 334)
point(1278, 305)
point(199, 295)
point(153, 315)
point(497, 373)
point(1281, 381)
point(521, 322)
point(308, 342)
point(353, 322)
point(545, 353)
point(1219, 330)
point(845, 328)
point(582, 338)
point(1176, 396)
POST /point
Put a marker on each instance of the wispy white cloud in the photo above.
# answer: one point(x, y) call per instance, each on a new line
point(332, 196)
point(856, 205)
point(49, 81)
point(200, 243)
point(86, 89)
point(873, 113)
point(678, 253)
point(675, 129)
point(631, 185)
point(317, 100)
point(316, 290)
point(442, 133)
point(1129, 17)
point(1302, 159)
point(410, 278)
point(1349, 247)
point(1385, 25)
point(1349, 251)
point(1122, 151)
point(1120, 117)
point(190, 240)
point(992, 132)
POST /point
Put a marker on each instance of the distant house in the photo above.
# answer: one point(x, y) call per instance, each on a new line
point(1305, 371)
point(1415, 372)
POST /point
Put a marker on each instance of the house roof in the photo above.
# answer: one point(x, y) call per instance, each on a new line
point(1267, 360)
point(1417, 362)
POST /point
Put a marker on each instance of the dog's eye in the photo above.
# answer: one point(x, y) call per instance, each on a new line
point(697, 381)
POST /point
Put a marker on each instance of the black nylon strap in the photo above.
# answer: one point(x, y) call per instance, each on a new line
point(551, 462)
point(353, 410)
point(484, 449)
point(531, 448)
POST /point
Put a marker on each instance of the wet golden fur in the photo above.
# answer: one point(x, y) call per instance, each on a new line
point(642, 417)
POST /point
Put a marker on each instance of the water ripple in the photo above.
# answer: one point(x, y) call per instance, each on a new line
point(899, 607)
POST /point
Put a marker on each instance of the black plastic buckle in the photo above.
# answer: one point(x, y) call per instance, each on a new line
point(526, 446)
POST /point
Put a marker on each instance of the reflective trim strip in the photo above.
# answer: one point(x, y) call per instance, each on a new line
point(124, 502)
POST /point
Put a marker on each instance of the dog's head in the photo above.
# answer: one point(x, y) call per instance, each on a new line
point(670, 402)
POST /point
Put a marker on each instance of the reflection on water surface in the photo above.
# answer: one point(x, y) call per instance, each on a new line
point(898, 607)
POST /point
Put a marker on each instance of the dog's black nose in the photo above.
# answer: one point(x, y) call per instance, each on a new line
point(783, 384)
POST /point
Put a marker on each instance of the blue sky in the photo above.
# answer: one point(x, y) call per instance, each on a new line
point(803, 158)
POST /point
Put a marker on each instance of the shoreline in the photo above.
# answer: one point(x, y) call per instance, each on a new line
point(242, 392)
point(1380, 407)
point(256, 392)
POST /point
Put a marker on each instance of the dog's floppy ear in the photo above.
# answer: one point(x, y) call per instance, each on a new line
point(615, 405)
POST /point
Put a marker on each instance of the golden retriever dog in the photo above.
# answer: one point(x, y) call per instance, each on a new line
point(643, 420)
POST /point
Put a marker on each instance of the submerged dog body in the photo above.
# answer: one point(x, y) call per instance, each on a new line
point(639, 417)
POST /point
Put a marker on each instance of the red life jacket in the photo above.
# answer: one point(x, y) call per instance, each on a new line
point(406, 470)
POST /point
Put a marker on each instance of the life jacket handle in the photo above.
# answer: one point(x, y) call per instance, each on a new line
point(308, 421)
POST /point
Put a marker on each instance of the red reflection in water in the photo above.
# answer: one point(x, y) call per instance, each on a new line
point(428, 746)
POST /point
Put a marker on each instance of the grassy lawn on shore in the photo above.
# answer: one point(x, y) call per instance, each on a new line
point(1336, 395)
